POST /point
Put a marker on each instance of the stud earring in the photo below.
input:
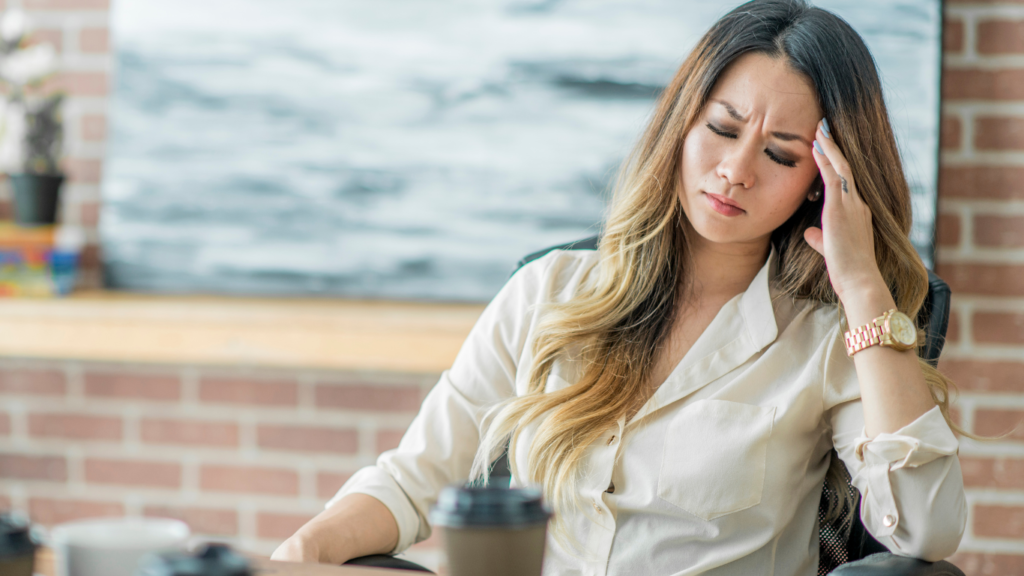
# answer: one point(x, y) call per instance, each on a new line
point(814, 195)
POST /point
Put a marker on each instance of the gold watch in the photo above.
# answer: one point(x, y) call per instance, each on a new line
point(893, 329)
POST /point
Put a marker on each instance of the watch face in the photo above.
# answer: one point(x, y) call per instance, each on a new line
point(903, 330)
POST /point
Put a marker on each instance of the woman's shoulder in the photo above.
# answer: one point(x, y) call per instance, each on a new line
point(557, 276)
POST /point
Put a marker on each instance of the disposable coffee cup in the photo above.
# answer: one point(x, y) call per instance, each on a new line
point(114, 546)
point(493, 531)
point(17, 546)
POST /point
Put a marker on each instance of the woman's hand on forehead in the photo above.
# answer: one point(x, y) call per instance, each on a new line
point(846, 238)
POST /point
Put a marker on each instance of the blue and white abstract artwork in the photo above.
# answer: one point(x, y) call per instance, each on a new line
point(411, 149)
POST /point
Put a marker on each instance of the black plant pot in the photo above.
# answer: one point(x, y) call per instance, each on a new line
point(36, 197)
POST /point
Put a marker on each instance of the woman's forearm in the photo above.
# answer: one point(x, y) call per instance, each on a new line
point(357, 525)
point(893, 389)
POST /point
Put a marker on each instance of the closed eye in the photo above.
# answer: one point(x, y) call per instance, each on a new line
point(778, 160)
point(774, 157)
point(721, 132)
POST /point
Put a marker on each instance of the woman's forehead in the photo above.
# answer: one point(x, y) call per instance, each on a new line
point(759, 85)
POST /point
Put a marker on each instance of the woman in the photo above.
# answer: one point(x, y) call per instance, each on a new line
point(679, 392)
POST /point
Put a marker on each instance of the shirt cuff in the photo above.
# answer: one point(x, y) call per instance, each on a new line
point(918, 443)
point(376, 482)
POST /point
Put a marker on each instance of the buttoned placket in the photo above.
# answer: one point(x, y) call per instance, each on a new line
point(602, 533)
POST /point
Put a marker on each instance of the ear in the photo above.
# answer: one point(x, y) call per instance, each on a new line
point(817, 188)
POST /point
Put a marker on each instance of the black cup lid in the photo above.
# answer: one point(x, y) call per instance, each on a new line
point(15, 535)
point(210, 560)
point(460, 507)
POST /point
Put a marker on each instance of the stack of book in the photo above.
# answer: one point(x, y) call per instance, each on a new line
point(39, 261)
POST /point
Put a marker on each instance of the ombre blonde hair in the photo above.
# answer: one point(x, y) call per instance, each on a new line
point(623, 312)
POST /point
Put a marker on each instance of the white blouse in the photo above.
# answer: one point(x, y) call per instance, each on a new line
point(720, 472)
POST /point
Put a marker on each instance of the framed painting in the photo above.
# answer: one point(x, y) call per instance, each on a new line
point(412, 150)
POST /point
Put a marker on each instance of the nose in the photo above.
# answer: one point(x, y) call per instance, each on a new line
point(737, 166)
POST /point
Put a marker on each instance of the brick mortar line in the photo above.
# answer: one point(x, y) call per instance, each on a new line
point(190, 466)
point(1009, 256)
point(87, 105)
point(214, 413)
point(957, 352)
point(965, 315)
point(978, 12)
point(170, 497)
point(246, 520)
point(966, 233)
point(75, 383)
point(989, 303)
point(993, 401)
point(962, 114)
point(86, 149)
point(975, 448)
point(982, 160)
point(984, 63)
point(113, 450)
point(73, 61)
point(969, 207)
point(990, 546)
point(98, 18)
point(307, 481)
point(981, 108)
point(18, 420)
point(988, 497)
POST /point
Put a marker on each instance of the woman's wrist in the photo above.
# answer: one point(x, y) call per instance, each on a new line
point(866, 303)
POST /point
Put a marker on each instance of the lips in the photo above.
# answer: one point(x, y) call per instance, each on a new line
point(724, 200)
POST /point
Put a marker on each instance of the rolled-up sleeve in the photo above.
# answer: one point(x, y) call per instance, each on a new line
point(440, 445)
point(911, 485)
point(437, 449)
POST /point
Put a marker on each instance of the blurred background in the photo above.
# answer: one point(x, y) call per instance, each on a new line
point(281, 219)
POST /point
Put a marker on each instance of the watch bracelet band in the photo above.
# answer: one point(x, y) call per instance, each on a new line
point(867, 335)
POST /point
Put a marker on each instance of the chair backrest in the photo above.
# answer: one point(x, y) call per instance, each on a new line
point(835, 546)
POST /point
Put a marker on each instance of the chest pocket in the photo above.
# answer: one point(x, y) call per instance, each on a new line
point(714, 460)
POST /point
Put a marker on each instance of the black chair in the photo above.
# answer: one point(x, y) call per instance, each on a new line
point(857, 554)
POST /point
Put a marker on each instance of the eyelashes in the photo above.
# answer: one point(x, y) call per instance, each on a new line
point(774, 157)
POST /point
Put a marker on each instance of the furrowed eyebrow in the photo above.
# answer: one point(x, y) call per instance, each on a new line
point(784, 136)
point(787, 137)
point(732, 111)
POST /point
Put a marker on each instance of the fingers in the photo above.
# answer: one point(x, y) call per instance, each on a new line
point(815, 237)
point(835, 171)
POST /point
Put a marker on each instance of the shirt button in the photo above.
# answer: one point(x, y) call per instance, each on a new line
point(889, 520)
point(612, 439)
point(598, 508)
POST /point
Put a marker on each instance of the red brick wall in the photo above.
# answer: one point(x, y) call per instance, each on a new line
point(79, 31)
point(242, 456)
point(980, 241)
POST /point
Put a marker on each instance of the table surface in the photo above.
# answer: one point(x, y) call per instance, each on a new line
point(264, 567)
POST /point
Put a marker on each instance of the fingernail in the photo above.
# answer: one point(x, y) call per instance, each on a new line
point(818, 148)
point(825, 130)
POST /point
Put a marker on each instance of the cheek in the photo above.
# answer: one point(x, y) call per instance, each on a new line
point(791, 190)
point(699, 155)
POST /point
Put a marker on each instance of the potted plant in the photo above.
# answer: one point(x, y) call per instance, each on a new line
point(31, 127)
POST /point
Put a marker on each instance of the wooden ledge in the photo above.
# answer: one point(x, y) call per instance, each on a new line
point(293, 333)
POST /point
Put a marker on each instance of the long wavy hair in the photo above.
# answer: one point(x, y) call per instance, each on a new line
point(623, 312)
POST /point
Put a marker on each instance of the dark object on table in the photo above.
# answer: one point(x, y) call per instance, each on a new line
point(385, 561)
point(17, 546)
point(210, 560)
point(859, 554)
point(36, 198)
